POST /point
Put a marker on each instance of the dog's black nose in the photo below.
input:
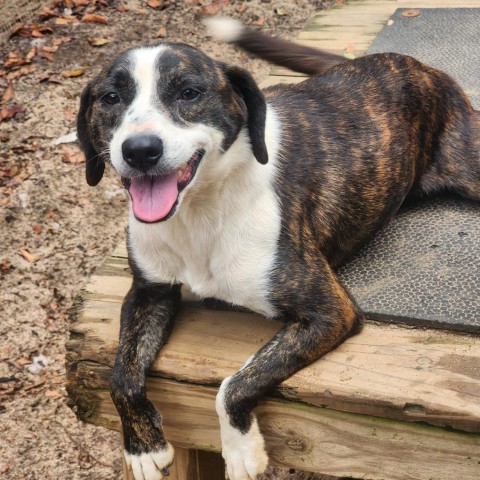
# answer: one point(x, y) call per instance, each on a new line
point(142, 151)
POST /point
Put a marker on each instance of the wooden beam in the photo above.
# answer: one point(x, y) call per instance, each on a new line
point(387, 371)
point(297, 435)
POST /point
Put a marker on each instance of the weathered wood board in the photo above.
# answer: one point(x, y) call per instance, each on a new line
point(368, 385)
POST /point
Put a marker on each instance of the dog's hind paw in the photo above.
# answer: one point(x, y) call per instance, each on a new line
point(152, 465)
point(244, 453)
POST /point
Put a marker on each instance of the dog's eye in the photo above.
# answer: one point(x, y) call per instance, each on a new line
point(189, 94)
point(111, 98)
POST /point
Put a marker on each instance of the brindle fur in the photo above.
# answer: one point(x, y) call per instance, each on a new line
point(357, 141)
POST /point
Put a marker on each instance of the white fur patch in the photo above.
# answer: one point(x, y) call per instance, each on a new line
point(149, 466)
point(222, 241)
point(244, 453)
point(224, 29)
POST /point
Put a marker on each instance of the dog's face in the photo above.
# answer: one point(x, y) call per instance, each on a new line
point(156, 112)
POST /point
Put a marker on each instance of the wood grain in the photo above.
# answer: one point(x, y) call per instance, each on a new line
point(301, 436)
point(386, 371)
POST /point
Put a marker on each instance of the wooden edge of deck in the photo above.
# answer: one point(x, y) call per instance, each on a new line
point(297, 435)
point(386, 371)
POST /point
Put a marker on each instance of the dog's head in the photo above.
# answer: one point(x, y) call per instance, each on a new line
point(156, 112)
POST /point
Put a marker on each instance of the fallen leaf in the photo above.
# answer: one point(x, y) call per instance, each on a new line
point(14, 59)
point(93, 17)
point(214, 7)
point(37, 229)
point(16, 29)
point(161, 33)
point(414, 12)
point(65, 20)
point(53, 394)
point(242, 7)
point(259, 22)
point(9, 112)
point(28, 256)
point(31, 53)
point(41, 52)
point(61, 40)
point(48, 49)
point(155, 3)
point(81, 3)
point(7, 94)
point(350, 48)
point(98, 42)
point(73, 73)
point(72, 156)
point(4, 468)
point(122, 9)
point(27, 70)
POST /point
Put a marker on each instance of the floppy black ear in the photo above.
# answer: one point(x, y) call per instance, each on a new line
point(95, 166)
point(244, 84)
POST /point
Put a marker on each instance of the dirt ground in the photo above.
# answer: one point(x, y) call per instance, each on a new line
point(54, 229)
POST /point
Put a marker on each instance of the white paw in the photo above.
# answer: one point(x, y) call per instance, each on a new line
point(244, 453)
point(152, 465)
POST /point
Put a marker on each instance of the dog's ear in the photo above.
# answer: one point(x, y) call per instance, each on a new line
point(244, 84)
point(95, 166)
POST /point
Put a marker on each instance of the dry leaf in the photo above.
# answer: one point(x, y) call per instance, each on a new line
point(161, 33)
point(414, 12)
point(53, 394)
point(242, 7)
point(21, 72)
point(72, 156)
point(31, 53)
point(155, 3)
point(93, 17)
point(61, 40)
point(73, 73)
point(81, 3)
point(350, 48)
point(28, 256)
point(259, 22)
point(37, 229)
point(41, 52)
point(98, 42)
point(62, 21)
point(214, 7)
point(14, 59)
point(7, 94)
point(9, 112)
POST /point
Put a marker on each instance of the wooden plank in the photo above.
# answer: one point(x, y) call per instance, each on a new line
point(298, 436)
point(387, 371)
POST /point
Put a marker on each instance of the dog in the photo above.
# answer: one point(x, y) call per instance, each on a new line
point(255, 198)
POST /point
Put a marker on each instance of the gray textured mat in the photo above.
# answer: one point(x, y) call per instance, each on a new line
point(424, 268)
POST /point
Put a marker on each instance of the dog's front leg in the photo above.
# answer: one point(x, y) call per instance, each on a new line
point(146, 321)
point(320, 314)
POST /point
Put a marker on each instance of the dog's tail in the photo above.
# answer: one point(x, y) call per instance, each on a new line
point(285, 53)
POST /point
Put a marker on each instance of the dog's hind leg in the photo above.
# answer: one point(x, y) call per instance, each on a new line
point(456, 166)
point(146, 321)
point(320, 317)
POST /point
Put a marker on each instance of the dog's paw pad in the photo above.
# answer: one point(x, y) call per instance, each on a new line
point(152, 465)
point(244, 454)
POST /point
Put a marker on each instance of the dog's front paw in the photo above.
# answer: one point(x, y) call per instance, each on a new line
point(244, 453)
point(152, 465)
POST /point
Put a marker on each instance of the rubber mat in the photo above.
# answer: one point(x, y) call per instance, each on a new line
point(424, 267)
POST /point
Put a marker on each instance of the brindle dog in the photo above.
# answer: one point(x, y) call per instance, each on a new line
point(337, 155)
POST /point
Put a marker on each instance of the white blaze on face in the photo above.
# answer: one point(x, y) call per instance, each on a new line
point(154, 196)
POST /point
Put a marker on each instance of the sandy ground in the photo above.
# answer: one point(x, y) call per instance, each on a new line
point(54, 229)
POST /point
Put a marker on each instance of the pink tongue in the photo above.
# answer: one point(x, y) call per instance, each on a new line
point(153, 197)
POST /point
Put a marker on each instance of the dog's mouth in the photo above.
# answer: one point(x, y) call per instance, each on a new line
point(155, 197)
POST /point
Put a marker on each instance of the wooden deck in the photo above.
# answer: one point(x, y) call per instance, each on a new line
point(391, 403)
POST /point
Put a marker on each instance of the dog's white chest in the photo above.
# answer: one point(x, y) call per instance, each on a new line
point(230, 259)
